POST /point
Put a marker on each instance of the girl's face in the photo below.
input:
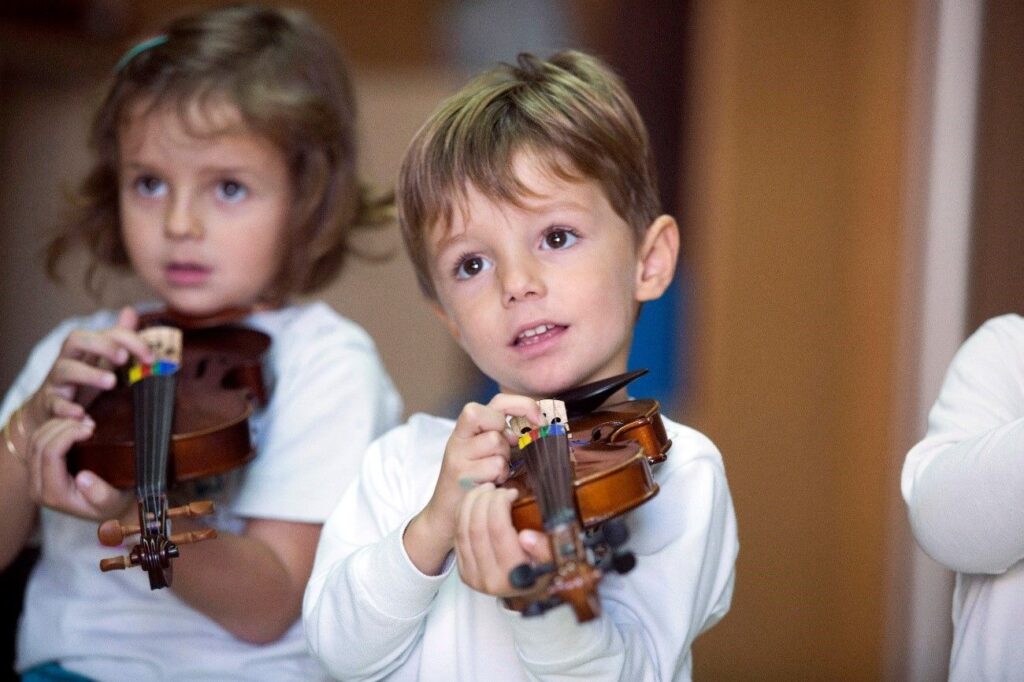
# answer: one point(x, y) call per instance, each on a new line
point(204, 207)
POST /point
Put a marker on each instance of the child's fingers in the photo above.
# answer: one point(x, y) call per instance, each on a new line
point(103, 500)
point(52, 484)
point(536, 545)
point(128, 318)
point(516, 406)
point(61, 407)
point(67, 372)
point(476, 419)
point(486, 540)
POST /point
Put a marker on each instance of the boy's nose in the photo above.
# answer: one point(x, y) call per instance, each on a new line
point(521, 282)
point(181, 222)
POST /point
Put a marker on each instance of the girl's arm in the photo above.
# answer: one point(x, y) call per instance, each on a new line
point(964, 482)
point(251, 584)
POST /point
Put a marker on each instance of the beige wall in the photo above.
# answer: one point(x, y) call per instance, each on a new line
point(797, 202)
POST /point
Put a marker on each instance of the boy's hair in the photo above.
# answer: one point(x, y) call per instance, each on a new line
point(571, 111)
point(289, 82)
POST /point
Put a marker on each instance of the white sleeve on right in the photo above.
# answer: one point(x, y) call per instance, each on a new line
point(964, 482)
point(366, 603)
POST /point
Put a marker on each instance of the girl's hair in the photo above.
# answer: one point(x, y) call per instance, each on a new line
point(570, 110)
point(288, 81)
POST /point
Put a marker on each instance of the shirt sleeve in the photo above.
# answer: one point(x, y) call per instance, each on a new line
point(964, 482)
point(685, 545)
point(364, 588)
point(331, 397)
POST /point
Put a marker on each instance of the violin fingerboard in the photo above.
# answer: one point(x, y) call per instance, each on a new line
point(154, 417)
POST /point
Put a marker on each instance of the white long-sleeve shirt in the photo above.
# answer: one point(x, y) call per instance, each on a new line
point(964, 487)
point(369, 613)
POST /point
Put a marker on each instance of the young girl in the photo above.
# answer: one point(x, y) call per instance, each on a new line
point(225, 179)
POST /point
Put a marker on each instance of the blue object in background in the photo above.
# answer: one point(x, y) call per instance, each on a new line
point(658, 345)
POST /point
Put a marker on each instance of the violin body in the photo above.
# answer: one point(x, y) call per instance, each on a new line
point(219, 381)
point(613, 449)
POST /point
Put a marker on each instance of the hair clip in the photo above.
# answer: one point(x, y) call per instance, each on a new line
point(139, 48)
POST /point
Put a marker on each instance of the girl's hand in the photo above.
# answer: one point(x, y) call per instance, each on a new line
point(85, 495)
point(487, 546)
point(53, 420)
point(477, 452)
point(84, 363)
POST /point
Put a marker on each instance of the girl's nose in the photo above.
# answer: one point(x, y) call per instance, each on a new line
point(181, 221)
point(520, 281)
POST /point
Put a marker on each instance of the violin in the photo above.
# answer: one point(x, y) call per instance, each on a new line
point(575, 474)
point(613, 450)
point(183, 417)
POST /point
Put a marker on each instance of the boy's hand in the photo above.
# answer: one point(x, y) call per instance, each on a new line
point(487, 545)
point(477, 452)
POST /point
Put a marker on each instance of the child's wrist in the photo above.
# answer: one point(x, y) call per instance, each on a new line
point(426, 546)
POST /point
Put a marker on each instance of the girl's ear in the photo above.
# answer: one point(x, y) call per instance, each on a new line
point(656, 258)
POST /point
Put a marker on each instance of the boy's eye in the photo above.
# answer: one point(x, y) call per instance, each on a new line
point(471, 266)
point(150, 186)
point(559, 238)
point(231, 191)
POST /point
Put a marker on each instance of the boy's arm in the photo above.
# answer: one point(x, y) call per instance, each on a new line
point(964, 482)
point(365, 605)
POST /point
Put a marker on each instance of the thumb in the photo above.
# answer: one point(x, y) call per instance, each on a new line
point(128, 318)
point(536, 545)
point(100, 495)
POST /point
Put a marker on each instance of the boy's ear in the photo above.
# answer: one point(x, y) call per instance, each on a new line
point(656, 258)
point(443, 316)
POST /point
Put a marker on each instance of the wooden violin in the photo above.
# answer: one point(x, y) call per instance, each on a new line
point(576, 472)
point(613, 449)
point(181, 418)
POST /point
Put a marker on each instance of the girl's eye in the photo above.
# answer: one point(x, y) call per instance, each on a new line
point(471, 266)
point(150, 186)
point(231, 191)
point(559, 238)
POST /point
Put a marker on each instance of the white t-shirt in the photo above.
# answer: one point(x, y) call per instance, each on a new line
point(370, 613)
point(329, 397)
point(964, 486)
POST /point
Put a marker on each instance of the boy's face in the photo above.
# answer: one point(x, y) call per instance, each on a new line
point(543, 297)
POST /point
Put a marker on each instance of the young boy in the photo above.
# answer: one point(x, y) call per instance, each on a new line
point(528, 208)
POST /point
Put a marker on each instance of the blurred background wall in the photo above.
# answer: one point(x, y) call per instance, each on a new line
point(847, 177)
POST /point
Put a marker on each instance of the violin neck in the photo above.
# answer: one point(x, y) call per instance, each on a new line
point(551, 473)
point(153, 389)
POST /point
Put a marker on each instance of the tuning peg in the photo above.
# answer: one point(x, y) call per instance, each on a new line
point(115, 563)
point(191, 536)
point(192, 510)
point(524, 576)
point(623, 562)
point(112, 532)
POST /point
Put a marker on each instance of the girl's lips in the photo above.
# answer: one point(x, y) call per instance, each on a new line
point(186, 274)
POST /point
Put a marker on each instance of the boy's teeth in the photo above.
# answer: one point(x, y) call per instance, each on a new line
point(539, 329)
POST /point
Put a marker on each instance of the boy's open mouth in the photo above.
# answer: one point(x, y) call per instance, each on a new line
point(537, 334)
